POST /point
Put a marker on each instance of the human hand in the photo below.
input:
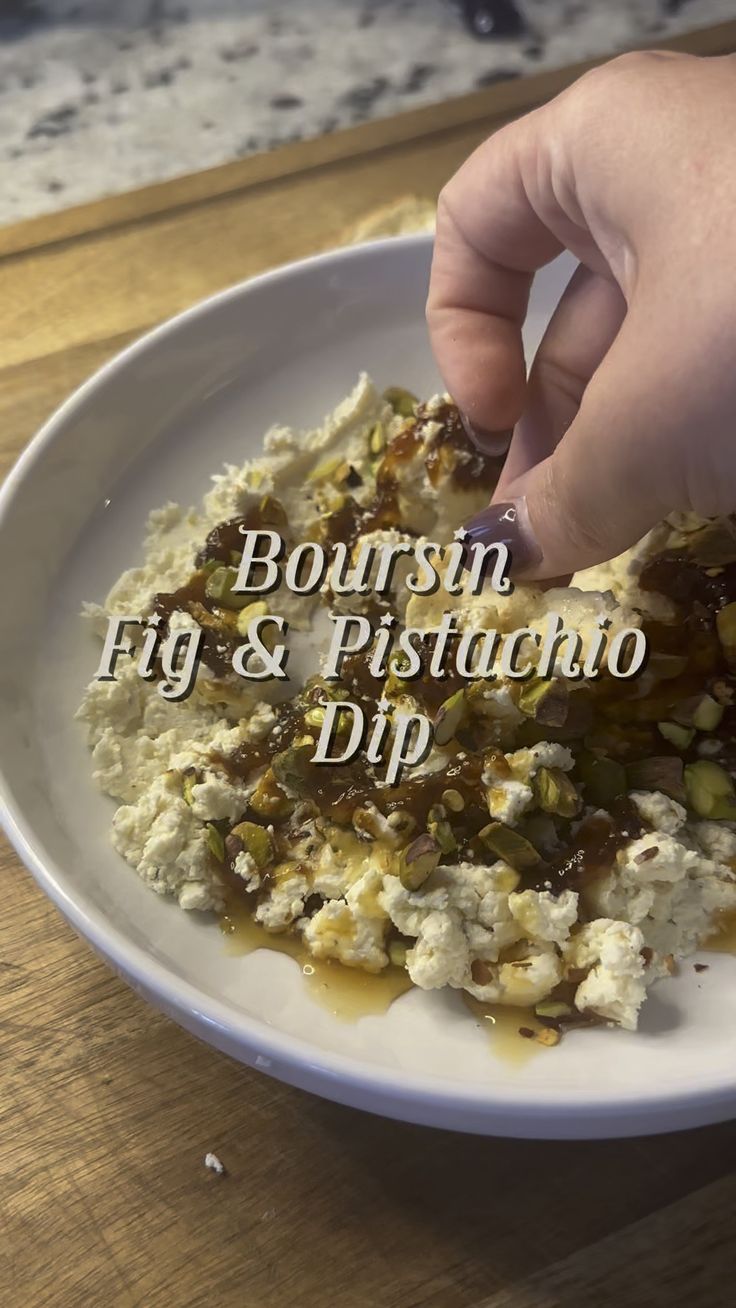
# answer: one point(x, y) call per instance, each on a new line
point(630, 406)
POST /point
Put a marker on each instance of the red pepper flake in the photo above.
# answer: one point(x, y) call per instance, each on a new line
point(701, 967)
point(526, 1032)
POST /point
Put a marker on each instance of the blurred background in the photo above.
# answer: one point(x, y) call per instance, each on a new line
point(100, 96)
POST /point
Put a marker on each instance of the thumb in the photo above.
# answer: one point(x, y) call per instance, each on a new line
point(616, 472)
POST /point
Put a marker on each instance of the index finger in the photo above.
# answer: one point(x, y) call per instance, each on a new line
point(497, 222)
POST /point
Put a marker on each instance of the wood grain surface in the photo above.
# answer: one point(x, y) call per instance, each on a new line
point(107, 1109)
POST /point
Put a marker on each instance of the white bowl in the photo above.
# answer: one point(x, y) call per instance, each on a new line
point(152, 426)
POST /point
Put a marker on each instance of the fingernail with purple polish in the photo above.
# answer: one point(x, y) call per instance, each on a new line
point(507, 524)
point(488, 442)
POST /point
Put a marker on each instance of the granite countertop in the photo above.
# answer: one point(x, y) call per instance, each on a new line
point(99, 96)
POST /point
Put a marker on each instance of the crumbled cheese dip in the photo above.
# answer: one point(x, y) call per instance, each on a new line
point(563, 845)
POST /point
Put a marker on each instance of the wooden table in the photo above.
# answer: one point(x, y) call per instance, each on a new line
point(107, 1108)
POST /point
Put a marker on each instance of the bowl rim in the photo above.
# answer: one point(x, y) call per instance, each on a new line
point(348, 1079)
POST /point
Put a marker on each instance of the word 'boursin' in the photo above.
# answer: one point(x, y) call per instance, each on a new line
point(458, 568)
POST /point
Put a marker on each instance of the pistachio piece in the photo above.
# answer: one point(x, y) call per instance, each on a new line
point(726, 628)
point(436, 813)
point(291, 768)
point(450, 716)
point(367, 822)
point(603, 778)
point(710, 790)
point(453, 800)
point(553, 1009)
point(258, 609)
point(442, 832)
point(679, 736)
point(418, 861)
point(233, 847)
point(272, 513)
point(327, 468)
point(555, 792)
point(401, 400)
point(397, 952)
point(697, 711)
point(708, 714)
point(661, 773)
point(714, 545)
point(267, 799)
point(256, 841)
point(545, 700)
point(664, 667)
point(315, 717)
point(188, 782)
point(513, 848)
point(377, 439)
point(216, 842)
point(219, 587)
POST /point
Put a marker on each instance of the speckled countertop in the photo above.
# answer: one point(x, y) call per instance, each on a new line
point(98, 96)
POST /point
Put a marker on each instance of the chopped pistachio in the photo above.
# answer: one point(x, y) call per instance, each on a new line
point(216, 842)
point(401, 400)
point(442, 832)
point(449, 717)
point(665, 667)
point(377, 439)
point(708, 714)
point(219, 587)
point(315, 717)
point(679, 736)
point(510, 846)
point(367, 822)
point(661, 773)
point(233, 847)
point(272, 512)
point(453, 800)
point(291, 767)
point(257, 842)
point(267, 799)
point(258, 609)
point(327, 468)
point(418, 861)
point(397, 952)
point(547, 701)
point(714, 545)
point(697, 711)
point(726, 628)
point(556, 792)
point(436, 813)
point(603, 778)
point(710, 790)
point(552, 1008)
point(188, 782)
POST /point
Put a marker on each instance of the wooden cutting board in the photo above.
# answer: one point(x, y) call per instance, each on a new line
point(108, 1109)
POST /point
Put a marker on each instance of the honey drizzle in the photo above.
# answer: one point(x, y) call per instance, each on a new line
point(346, 992)
point(350, 993)
point(501, 1024)
point(723, 940)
